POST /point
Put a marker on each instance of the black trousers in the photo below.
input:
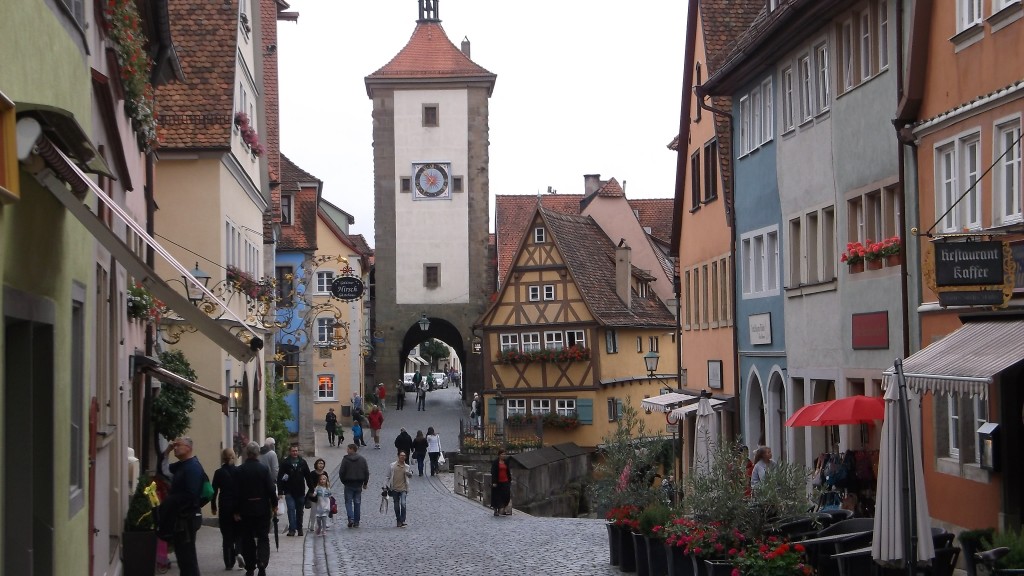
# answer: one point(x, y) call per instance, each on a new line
point(330, 435)
point(185, 545)
point(400, 402)
point(231, 543)
point(255, 535)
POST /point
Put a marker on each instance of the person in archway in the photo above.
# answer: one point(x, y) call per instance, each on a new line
point(376, 418)
point(421, 395)
point(400, 395)
point(382, 393)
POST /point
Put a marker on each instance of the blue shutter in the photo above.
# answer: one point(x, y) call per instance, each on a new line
point(492, 409)
point(585, 410)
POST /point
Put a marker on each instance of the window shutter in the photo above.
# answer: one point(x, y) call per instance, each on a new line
point(585, 410)
point(618, 409)
point(492, 409)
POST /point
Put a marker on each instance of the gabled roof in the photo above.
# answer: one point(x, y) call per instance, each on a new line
point(429, 54)
point(306, 190)
point(292, 176)
point(724, 21)
point(656, 214)
point(197, 113)
point(589, 255)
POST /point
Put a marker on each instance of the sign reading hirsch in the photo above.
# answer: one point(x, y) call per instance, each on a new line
point(969, 264)
point(347, 288)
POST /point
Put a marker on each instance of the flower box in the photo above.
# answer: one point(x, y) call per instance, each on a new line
point(856, 267)
point(570, 354)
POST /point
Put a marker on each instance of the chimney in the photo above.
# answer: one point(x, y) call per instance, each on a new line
point(465, 46)
point(623, 273)
point(591, 183)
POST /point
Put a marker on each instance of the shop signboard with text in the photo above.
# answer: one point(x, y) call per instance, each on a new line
point(971, 273)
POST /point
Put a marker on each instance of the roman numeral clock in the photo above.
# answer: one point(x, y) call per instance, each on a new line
point(431, 181)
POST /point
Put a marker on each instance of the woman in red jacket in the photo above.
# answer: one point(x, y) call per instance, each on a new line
point(376, 418)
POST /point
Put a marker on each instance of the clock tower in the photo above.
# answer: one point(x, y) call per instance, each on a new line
point(431, 197)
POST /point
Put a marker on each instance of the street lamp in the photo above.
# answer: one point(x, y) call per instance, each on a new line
point(193, 292)
point(424, 323)
point(651, 360)
point(236, 396)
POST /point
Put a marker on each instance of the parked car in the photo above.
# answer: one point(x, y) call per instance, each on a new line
point(407, 382)
point(440, 380)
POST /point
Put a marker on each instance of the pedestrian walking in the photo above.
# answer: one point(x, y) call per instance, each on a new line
point(421, 396)
point(331, 421)
point(257, 505)
point(323, 504)
point(501, 484)
point(433, 449)
point(376, 418)
point(404, 443)
point(357, 432)
point(400, 395)
point(225, 506)
point(398, 475)
point(312, 481)
point(382, 393)
point(181, 511)
point(291, 480)
point(476, 413)
point(763, 464)
point(268, 456)
point(354, 473)
point(419, 450)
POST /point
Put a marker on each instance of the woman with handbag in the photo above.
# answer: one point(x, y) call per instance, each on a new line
point(501, 484)
point(312, 482)
point(419, 450)
point(433, 449)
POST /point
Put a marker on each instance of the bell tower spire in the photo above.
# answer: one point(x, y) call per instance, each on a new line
point(429, 11)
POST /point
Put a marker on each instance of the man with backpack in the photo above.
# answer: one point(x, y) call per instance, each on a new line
point(180, 513)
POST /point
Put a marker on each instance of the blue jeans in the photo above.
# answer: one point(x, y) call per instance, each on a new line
point(399, 499)
point(353, 500)
point(295, 504)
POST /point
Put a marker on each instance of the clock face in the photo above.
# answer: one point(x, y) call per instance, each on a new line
point(431, 180)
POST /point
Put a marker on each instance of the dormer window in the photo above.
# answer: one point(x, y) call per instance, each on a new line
point(286, 209)
point(643, 288)
point(539, 235)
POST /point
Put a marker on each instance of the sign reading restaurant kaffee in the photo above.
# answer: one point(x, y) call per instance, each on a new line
point(971, 273)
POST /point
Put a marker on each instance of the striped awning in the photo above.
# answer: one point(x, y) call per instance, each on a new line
point(680, 413)
point(666, 402)
point(964, 361)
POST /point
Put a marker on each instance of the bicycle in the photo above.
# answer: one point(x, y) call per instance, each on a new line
point(989, 559)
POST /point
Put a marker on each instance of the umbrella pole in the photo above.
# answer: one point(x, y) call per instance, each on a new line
point(909, 488)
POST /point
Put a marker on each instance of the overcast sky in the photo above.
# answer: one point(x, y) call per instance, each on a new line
point(584, 87)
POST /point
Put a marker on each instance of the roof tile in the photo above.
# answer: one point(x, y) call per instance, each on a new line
point(429, 54)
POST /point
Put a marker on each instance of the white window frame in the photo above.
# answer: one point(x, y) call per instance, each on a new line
point(611, 341)
point(531, 341)
point(576, 338)
point(533, 293)
point(745, 126)
point(767, 112)
point(846, 44)
point(639, 344)
point(565, 406)
point(787, 98)
point(968, 14)
point(287, 209)
point(322, 394)
point(509, 343)
point(515, 406)
point(1007, 173)
point(953, 426)
point(805, 79)
point(652, 343)
point(980, 414)
point(549, 292)
point(756, 109)
point(822, 79)
point(553, 341)
point(883, 35)
point(946, 186)
point(957, 166)
point(324, 279)
point(760, 261)
point(539, 235)
point(540, 406)
point(864, 45)
point(324, 327)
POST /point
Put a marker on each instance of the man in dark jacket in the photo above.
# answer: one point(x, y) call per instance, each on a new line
point(181, 508)
point(355, 475)
point(404, 443)
point(291, 480)
point(257, 505)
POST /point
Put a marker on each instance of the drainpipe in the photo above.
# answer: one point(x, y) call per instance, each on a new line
point(147, 392)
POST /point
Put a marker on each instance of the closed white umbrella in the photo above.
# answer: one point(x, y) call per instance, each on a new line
point(901, 508)
point(703, 444)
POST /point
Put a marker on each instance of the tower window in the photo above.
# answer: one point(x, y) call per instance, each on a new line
point(431, 275)
point(406, 184)
point(430, 115)
point(456, 183)
point(539, 236)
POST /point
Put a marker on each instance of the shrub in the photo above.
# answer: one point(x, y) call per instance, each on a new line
point(1015, 542)
point(652, 517)
point(172, 407)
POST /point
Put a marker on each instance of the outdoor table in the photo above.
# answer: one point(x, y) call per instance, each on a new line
point(853, 561)
point(835, 538)
point(815, 544)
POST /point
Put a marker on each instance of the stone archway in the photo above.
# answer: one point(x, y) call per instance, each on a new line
point(440, 329)
point(755, 410)
point(775, 416)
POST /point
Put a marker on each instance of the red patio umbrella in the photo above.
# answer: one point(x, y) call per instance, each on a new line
point(851, 410)
point(805, 415)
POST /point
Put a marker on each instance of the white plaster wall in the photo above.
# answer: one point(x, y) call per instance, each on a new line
point(432, 231)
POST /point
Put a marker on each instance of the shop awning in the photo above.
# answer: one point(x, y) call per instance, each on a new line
point(680, 413)
point(965, 361)
point(138, 268)
point(168, 377)
point(417, 360)
point(666, 402)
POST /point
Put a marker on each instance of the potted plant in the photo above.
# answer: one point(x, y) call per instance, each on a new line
point(562, 422)
point(520, 420)
point(891, 250)
point(652, 520)
point(679, 559)
point(141, 303)
point(1014, 559)
point(772, 557)
point(973, 541)
point(622, 520)
point(854, 256)
point(139, 547)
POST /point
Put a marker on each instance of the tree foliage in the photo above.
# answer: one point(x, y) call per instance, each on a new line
point(434, 349)
point(278, 412)
point(172, 407)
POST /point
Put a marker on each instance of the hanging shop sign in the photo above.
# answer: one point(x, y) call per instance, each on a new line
point(347, 288)
point(971, 273)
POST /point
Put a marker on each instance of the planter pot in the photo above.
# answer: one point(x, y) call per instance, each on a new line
point(627, 560)
point(875, 264)
point(893, 260)
point(614, 546)
point(717, 568)
point(678, 563)
point(657, 561)
point(856, 267)
point(139, 553)
point(640, 554)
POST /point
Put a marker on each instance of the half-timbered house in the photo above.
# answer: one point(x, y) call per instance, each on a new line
point(566, 337)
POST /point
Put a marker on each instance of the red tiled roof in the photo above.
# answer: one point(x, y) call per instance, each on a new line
point(656, 214)
point(359, 241)
point(512, 216)
point(196, 113)
point(292, 175)
point(305, 189)
point(590, 256)
point(610, 189)
point(430, 54)
point(724, 22)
